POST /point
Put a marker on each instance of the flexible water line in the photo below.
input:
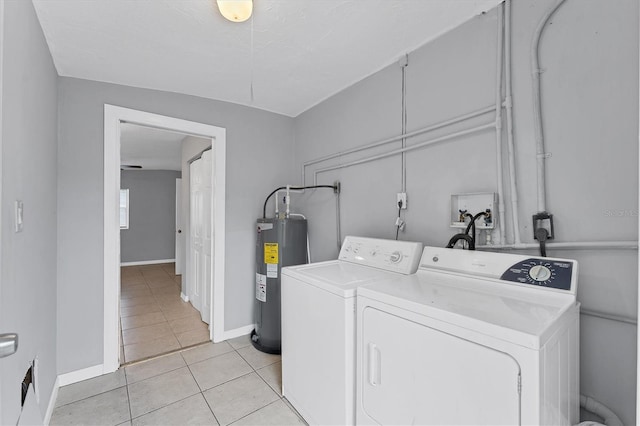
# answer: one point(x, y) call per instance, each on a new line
point(541, 155)
point(609, 417)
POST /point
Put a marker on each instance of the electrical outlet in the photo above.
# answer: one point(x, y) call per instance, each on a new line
point(543, 220)
point(402, 197)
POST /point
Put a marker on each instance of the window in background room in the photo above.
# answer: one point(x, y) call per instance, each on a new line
point(124, 209)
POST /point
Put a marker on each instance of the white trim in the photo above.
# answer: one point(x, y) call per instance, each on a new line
point(52, 401)
point(80, 375)
point(2, 26)
point(185, 298)
point(147, 262)
point(237, 332)
point(113, 116)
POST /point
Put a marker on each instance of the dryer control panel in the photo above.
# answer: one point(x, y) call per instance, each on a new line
point(545, 272)
point(391, 255)
point(541, 272)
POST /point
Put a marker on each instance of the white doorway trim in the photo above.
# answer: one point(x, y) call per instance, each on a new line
point(113, 116)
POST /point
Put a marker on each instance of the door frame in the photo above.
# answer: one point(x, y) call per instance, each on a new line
point(113, 116)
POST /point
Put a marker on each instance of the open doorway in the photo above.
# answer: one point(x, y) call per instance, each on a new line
point(115, 119)
point(156, 315)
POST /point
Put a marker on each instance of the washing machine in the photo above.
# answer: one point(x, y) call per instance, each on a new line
point(318, 324)
point(473, 338)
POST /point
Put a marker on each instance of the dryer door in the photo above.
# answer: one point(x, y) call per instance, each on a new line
point(413, 374)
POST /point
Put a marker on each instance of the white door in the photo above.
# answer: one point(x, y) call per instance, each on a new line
point(201, 235)
point(195, 188)
point(413, 374)
point(179, 234)
point(207, 237)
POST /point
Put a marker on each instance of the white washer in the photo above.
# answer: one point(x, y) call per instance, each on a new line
point(472, 338)
point(318, 324)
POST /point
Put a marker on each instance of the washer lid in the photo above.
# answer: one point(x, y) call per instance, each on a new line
point(335, 276)
point(519, 315)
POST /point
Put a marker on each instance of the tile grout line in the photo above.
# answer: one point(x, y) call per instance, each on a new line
point(128, 399)
point(201, 391)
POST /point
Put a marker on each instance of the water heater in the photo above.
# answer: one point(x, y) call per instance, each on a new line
point(279, 243)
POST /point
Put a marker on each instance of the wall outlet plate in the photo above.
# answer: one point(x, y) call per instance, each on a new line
point(401, 196)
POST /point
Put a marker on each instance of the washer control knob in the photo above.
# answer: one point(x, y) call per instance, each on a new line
point(395, 257)
point(539, 273)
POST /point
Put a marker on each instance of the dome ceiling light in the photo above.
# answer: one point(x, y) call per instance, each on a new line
point(236, 10)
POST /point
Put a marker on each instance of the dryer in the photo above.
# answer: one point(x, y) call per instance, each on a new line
point(318, 324)
point(472, 338)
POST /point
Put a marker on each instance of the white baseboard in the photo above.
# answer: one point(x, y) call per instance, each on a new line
point(80, 375)
point(237, 332)
point(184, 297)
point(147, 262)
point(52, 401)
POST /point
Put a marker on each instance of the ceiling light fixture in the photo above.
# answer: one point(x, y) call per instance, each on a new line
point(236, 10)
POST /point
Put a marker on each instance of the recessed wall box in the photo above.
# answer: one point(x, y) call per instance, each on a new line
point(473, 204)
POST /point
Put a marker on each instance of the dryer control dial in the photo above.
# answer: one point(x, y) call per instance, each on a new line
point(395, 257)
point(540, 273)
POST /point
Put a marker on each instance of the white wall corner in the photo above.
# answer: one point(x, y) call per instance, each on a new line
point(184, 297)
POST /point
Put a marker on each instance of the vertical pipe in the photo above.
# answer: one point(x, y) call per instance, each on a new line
point(338, 231)
point(541, 155)
point(499, 171)
point(509, 113)
point(404, 121)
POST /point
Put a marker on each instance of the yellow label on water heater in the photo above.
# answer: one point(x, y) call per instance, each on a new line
point(271, 253)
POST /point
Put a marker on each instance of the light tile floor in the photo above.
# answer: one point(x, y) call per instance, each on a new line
point(222, 383)
point(153, 318)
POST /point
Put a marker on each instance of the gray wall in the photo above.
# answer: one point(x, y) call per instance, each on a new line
point(28, 137)
point(590, 98)
point(259, 158)
point(152, 215)
point(191, 147)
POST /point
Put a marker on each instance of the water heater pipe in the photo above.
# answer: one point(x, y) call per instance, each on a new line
point(601, 410)
point(541, 155)
point(308, 245)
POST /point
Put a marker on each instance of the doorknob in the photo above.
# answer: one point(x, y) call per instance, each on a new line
point(179, 231)
point(8, 344)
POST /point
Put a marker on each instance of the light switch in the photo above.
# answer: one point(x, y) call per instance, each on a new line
point(18, 215)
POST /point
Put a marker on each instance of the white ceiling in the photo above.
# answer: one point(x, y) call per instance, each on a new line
point(304, 50)
point(153, 149)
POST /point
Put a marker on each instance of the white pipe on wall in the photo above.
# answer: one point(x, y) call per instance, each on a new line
point(499, 172)
point(396, 138)
point(509, 113)
point(541, 155)
point(407, 149)
point(585, 245)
